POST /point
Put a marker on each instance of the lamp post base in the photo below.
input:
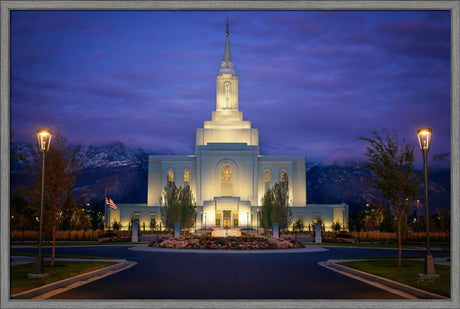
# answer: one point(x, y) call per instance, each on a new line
point(429, 269)
point(32, 275)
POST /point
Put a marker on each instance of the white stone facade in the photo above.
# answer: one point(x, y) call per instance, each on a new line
point(227, 174)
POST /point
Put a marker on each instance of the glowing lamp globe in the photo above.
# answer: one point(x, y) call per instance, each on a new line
point(44, 140)
point(424, 138)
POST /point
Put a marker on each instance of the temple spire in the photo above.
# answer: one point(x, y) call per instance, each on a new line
point(227, 64)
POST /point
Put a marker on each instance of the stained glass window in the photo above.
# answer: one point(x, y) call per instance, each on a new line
point(283, 176)
point(227, 174)
point(186, 176)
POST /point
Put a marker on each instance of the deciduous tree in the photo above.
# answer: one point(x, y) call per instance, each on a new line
point(179, 206)
point(62, 165)
point(96, 216)
point(392, 163)
point(275, 206)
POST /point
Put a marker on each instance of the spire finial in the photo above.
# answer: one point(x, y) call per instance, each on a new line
point(227, 64)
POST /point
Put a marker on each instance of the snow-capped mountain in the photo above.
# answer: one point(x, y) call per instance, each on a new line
point(121, 171)
point(112, 155)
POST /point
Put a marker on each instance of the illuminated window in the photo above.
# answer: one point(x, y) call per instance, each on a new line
point(267, 176)
point(227, 174)
point(186, 176)
point(170, 176)
point(227, 180)
point(227, 96)
point(283, 176)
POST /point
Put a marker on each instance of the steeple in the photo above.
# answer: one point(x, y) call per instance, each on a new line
point(227, 64)
point(227, 124)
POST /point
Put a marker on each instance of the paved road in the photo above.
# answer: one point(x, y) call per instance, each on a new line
point(160, 275)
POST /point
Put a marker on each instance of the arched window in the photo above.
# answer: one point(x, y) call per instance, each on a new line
point(227, 96)
point(170, 175)
point(267, 176)
point(227, 174)
point(227, 180)
point(186, 176)
point(283, 176)
point(267, 180)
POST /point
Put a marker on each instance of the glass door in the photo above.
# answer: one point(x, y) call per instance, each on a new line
point(227, 218)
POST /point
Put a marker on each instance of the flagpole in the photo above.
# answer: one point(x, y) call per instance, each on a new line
point(107, 209)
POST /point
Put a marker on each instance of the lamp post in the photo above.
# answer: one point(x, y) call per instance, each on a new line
point(247, 221)
point(44, 141)
point(205, 220)
point(424, 140)
point(201, 220)
point(258, 221)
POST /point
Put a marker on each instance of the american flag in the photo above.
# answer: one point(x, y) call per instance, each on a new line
point(108, 201)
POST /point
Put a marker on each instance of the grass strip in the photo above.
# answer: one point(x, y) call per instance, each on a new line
point(377, 245)
point(18, 253)
point(19, 281)
point(407, 274)
point(81, 243)
point(393, 257)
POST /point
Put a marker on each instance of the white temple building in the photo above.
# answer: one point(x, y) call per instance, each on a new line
point(227, 174)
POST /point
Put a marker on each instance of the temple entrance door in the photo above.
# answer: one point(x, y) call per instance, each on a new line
point(227, 218)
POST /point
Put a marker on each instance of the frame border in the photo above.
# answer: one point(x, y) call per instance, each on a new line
point(6, 6)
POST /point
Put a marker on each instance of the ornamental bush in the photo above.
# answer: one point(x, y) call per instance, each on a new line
point(227, 243)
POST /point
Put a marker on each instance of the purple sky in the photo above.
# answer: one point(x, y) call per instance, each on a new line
point(312, 82)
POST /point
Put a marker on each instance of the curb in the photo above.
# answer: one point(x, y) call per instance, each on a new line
point(122, 265)
point(390, 283)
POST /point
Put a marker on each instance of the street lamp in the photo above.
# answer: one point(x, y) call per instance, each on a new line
point(44, 141)
point(257, 221)
point(424, 140)
point(205, 220)
point(247, 221)
point(201, 220)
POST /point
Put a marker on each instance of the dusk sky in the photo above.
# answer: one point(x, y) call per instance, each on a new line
point(312, 82)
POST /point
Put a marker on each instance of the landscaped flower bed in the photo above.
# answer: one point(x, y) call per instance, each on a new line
point(227, 243)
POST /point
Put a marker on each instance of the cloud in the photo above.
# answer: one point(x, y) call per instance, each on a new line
point(312, 82)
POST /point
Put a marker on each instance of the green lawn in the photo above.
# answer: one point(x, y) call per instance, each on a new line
point(18, 253)
point(80, 243)
point(378, 245)
point(407, 274)
point(62, 270)
point(404, 256)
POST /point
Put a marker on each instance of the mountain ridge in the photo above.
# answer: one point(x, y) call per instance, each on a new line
point(122, 172)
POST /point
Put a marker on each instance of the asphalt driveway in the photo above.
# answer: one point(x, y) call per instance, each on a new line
point(177, 275)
